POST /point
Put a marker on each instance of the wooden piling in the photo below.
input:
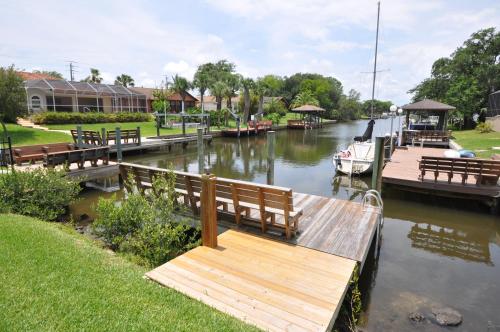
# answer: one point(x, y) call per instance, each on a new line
point(79, 142)
point(378, 164)
point(270, 156)
point(208, 211)
point(119, 155)
point(103, 136)
point(138, 135)
point(201, 154)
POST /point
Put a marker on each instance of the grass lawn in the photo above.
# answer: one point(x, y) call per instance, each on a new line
point(481, 144)
point(28, 136)
point(53, 279)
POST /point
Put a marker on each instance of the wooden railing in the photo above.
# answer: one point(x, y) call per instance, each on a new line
point(420, 136)
point(243, 196)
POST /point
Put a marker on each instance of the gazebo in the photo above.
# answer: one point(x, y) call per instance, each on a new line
point(430, 122)
point(310, 117)
point(427, 110)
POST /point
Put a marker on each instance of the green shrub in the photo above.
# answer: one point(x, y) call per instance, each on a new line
point(145, 225)
point(41, 193)
point(484, 127)
point(274, 117)
point(91, 117)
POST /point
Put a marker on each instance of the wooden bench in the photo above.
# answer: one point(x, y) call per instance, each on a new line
point(126, 135)
point(422, 136)
point(244, 196)
point(33, 153)
point(89, 137)
point(486, 171)
point(77, 156)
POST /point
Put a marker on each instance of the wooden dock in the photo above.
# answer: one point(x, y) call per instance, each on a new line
point(160, 144)
point(403, 172)
point(273, 285)
point(330, 225)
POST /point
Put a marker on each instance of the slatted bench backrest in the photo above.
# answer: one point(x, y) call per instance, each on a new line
point(36, 152)
point(247, 192)
point(77, 156)
point(468, 166)
point(124, 134)
point(91, 137)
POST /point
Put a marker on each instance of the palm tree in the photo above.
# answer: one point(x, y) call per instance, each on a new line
point(233, 82)
point(181, 85)
point(124, 80)
point(202, 82)
point(247, 84)
point(94, 77)
point(219, 90)
point(260, 90)
point(305, 97)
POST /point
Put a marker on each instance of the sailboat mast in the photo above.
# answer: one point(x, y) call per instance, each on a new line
point(375, 63)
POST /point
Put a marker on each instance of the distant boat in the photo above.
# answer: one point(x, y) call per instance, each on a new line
point(384, 116)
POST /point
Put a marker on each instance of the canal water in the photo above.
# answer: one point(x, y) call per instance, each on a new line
point(433, 253)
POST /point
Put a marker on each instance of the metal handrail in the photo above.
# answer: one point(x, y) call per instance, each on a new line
point(372, 193)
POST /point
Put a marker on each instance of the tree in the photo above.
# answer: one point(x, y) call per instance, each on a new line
point(260, 89)
point(467, 77)
point(247, 84)
point(181, 85)
point(219, 90)
point(51, 73)
point(233, 82)
point(350, 107)
point(202, 80)
point(274, 85)
point(305, 97)
point(160, 100)
point(124, 80)
point(94, 77)
point(379, 106)
point(327, 90)
point(12, 95)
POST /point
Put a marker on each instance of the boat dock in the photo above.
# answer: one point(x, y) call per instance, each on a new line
point(274, 283)
point(159, 144)
point(403, 173)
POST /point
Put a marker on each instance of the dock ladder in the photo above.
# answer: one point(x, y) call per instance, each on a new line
point(374, 196)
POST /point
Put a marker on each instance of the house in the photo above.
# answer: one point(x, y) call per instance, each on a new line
point(174, 99)
point(46, 93)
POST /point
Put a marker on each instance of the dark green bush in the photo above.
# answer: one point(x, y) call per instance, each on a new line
point(145, 225)
point(91, 117)
point(41, 193)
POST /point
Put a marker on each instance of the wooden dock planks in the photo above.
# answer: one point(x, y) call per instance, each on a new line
point(403, 171)
point(274, 285)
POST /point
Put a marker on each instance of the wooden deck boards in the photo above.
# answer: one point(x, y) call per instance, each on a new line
point(274, 285)
point(330, 225)
point(403, 170)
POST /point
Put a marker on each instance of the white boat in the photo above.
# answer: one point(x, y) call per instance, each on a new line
point(357, 159)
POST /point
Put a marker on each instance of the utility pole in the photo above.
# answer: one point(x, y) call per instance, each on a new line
point(72, 70)
point(375, 62)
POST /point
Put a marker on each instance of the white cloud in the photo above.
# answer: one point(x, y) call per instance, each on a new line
point(181, 68)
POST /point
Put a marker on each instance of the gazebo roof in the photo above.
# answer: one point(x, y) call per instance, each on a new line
point(308, 108)
point(427, 105)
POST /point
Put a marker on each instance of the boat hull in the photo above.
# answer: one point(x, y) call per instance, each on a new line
point(359, 167)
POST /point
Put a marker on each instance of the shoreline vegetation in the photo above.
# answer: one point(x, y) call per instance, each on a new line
point(64, 281)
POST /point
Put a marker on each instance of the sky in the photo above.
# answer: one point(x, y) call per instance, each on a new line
point(152, 39)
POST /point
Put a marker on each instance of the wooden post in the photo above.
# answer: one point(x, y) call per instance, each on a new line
point(103, 136)
point(79, 142)
point(183, 125)
point(270, 157)
point(238, 126)
point(208, 211)
point(201, 159)
point(118, 144)
point(378, 164)
point(138, 135)
point(158, 124)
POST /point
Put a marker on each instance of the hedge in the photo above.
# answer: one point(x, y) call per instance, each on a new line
point(82, 118)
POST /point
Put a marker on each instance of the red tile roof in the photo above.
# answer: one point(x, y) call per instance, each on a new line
point(35, 76)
